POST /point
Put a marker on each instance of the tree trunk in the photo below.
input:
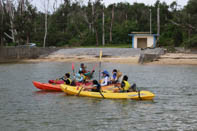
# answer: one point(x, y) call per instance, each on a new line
point(103, 38)
point(10, 11)
point(97, 41)
point(158, 21)
point(46, 22)
point(27, 38)
point(2, 14)
point(112, 19)
point(150, 21)
point(93, 18)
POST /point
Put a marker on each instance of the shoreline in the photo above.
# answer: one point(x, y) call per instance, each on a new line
point(167, 59)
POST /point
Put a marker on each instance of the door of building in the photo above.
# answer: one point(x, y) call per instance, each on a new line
point(141, 42)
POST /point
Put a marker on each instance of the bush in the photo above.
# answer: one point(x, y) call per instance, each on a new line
point(74, 42)
point(191, 43)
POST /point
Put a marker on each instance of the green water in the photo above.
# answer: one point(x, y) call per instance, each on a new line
point(25, 108)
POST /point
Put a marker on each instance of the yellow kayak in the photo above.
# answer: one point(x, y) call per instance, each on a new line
point(142, 95)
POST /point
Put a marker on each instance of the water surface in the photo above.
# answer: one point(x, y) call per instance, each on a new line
point(23, 107)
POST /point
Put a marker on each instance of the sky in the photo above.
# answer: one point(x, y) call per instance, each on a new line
point(182, 3)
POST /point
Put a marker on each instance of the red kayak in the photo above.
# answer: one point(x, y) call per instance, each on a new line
point(56, 81)
point(53, 87)
point(47, 86)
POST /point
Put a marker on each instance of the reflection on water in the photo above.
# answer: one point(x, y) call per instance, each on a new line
point(23, 107)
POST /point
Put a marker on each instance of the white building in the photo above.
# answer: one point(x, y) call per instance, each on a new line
point(143, 40)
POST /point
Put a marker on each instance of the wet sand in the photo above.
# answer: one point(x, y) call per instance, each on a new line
point(117, 55)
point(167, 59)
point(176, 59)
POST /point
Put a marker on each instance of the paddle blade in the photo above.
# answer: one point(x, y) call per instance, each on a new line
point(101, 53)
point(73, 66)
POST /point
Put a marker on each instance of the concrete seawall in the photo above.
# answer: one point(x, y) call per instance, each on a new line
point(11, 54)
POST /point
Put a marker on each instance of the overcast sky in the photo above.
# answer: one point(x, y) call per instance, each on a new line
point(182, 3)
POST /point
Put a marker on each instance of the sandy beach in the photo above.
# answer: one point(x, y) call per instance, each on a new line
point(176, 59)
point(117, 55)
point(167, 59)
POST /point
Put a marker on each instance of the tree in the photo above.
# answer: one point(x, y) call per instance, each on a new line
point(46, 8)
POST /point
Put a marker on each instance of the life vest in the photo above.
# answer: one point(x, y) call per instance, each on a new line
point(84, 77)
point(80, 78)
point(69, 80)
point(127, 86)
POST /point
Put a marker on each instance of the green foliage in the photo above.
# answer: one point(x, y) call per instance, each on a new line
point(74, 24)
point(191, 42)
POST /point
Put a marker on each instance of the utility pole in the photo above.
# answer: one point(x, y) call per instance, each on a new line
point(103, 40)
point(150, 21)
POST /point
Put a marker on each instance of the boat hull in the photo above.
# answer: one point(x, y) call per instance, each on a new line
point(142, 95)
point(47, 86)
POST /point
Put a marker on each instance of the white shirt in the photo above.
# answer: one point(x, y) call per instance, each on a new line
point(105, 82)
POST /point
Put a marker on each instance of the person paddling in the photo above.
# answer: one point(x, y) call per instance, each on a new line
point(83, 68)
point(96, 87)
point(86, 73)
point(67, 79)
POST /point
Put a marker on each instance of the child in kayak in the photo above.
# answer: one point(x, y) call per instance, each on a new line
point(80, 77)
point(115, 76)
point(86, 73)
point(83, 68)
point(96, 87)
point(125, 85)
point(67, 79)
point(106, 79)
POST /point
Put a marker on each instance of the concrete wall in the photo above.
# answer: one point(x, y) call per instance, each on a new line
point(17, 53)
point(150, 40)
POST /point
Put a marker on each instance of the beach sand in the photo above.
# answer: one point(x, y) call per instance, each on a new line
point(167, 59)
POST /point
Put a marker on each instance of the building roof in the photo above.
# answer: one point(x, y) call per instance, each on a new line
point(142, 34)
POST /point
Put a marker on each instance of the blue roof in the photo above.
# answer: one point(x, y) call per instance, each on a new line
point(143, 34)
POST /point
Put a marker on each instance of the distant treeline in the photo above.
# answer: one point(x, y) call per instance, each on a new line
point(76, 24)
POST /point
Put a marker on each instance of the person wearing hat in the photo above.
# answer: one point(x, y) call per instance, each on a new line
point(106, 79)
point(67, 79)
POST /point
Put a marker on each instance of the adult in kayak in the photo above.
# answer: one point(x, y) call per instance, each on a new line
point(106, 80)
